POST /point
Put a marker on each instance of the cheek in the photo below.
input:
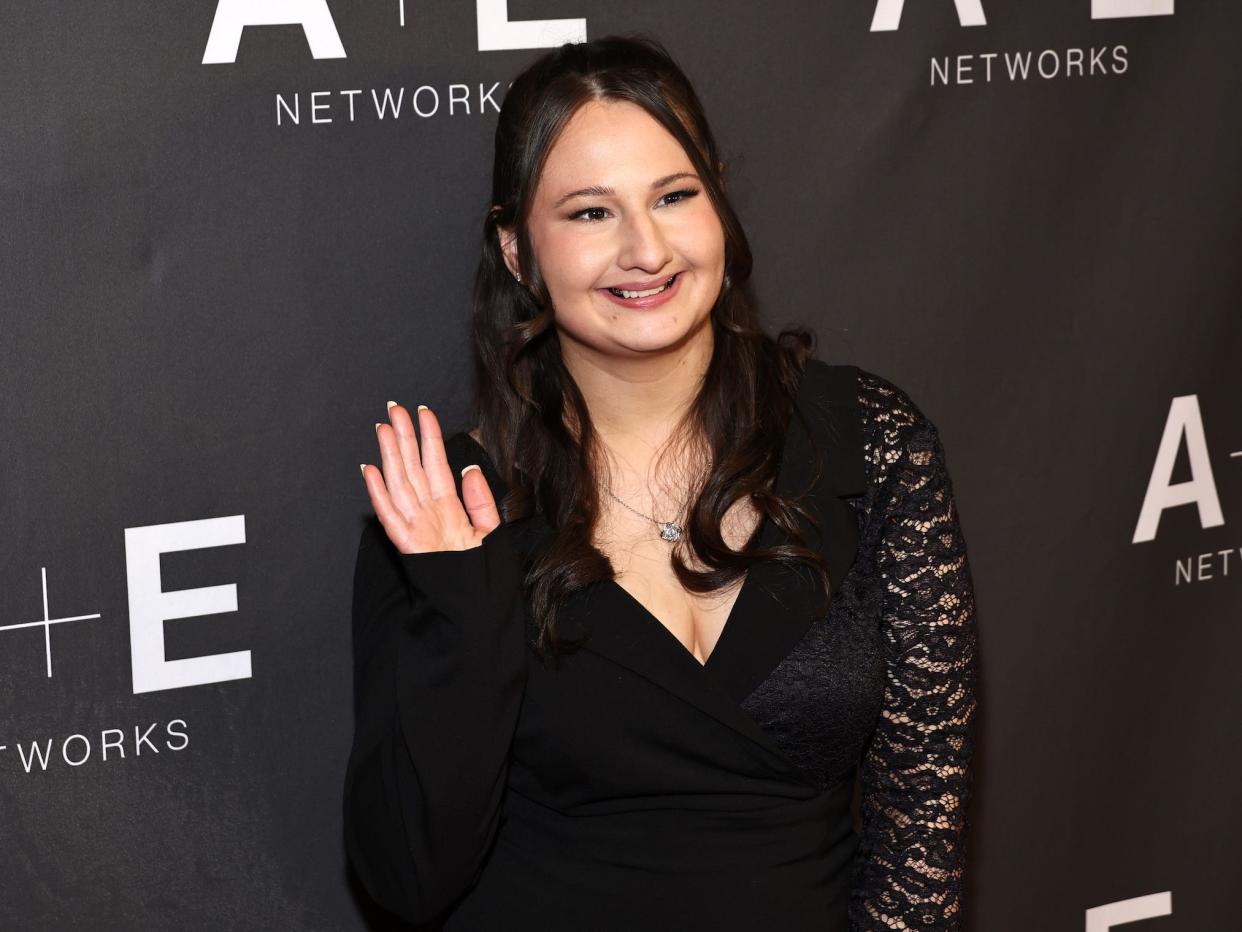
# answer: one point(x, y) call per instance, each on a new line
point(572, 260)
point(702, 239)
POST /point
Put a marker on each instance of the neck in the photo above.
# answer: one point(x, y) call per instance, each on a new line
point(637, 402)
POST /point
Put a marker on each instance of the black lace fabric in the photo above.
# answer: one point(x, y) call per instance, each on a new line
point(887, 683)
point(915, 769)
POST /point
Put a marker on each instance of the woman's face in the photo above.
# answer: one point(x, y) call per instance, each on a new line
point(654, 221)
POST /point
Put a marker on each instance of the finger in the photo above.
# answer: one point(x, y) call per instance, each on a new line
point(435, 462)
point(479, 501)
point(407, 445)
point(399, 489)
point(394, 523)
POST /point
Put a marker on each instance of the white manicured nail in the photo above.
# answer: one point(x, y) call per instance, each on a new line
point(390, 405)
point(468, 468)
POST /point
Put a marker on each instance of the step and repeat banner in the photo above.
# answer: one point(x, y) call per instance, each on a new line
point(231, 230)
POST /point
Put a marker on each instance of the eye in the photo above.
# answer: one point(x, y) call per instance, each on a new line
point(683, 195)
point(587, 210)
point(587, 214)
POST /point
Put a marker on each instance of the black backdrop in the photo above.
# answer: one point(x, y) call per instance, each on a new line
point(1027, 215)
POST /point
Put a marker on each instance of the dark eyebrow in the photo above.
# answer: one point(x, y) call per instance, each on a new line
point(600, 191)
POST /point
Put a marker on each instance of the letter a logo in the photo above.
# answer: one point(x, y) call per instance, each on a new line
point(232, 16)
point(888, 14)
point(1184, 421)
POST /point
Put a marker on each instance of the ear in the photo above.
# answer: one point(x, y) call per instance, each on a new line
point(508, 246)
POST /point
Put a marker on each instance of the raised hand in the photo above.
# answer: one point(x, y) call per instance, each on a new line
point(415, 496)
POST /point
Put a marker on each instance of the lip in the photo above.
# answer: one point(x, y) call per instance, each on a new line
point(649, 301)
point(644, 284)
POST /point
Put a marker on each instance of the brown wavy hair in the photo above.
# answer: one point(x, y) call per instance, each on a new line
point(525, 398)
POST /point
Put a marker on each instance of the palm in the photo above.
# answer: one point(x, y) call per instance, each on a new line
point(415, 496)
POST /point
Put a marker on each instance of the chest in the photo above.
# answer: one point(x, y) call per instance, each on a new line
point(646, 574)
point(631, 715)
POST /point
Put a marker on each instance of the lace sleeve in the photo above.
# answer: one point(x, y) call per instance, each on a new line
point(915, 769)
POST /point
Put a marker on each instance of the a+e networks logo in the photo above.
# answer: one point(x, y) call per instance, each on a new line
point(150, 607)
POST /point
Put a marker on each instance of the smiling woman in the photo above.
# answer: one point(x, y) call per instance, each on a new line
point(643, 240)
point(624, 649)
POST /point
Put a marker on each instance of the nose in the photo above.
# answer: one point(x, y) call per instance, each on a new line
point(643, 244)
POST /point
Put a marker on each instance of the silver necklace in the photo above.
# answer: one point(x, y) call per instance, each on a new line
point(669, 530)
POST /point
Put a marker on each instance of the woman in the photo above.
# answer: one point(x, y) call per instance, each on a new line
point(623, 673)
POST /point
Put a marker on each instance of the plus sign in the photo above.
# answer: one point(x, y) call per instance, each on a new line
point(47, 623)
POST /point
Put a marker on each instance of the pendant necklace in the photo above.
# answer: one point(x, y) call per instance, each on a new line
point(669, 530)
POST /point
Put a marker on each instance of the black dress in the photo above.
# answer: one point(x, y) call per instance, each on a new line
point(632, 787)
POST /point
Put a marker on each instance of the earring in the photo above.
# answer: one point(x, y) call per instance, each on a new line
point(518, 276)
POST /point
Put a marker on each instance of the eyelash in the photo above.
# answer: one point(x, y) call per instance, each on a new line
point(684, 194)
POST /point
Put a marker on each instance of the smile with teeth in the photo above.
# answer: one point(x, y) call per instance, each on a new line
point(642, 294)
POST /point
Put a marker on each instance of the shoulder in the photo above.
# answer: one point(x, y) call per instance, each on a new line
point(828, 385)
point(891, 427)
point(901, 444)
point(887, 406)
point(876, 401)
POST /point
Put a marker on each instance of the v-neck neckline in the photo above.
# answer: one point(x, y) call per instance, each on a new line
point(776, 603)
point(764, 535)
point(761, 532)
point(765, 532)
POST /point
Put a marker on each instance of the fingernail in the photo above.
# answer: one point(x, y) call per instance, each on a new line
point(377, 426)
point(390, 404)
point(363, 467)
point(421, 407)
point(468, 468)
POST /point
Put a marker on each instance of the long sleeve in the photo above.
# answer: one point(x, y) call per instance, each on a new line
point(915, 770)
point(439, 673)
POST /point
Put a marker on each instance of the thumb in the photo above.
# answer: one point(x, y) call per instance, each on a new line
point(479, 502)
